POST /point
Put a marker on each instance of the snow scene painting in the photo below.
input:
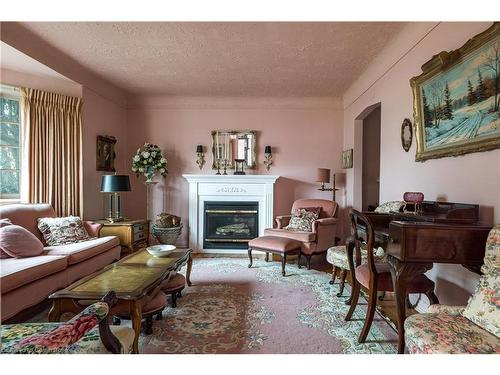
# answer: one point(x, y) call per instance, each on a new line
point(459, 106)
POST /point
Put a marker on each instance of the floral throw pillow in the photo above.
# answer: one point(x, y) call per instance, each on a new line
point(483, 307)
point(302, 219)
point(62, 230)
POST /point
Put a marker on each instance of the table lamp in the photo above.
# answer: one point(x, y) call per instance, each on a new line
point(114, 184)
point(323, 176)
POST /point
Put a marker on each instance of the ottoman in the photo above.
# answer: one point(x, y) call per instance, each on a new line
point(174, 287)
point(155, 306)
point(276, 245)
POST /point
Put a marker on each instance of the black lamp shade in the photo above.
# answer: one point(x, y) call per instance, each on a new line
point(199, 149)
point(112, 183)
point(268, 150)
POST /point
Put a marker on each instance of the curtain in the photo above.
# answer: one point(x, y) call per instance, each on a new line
point(52, 162)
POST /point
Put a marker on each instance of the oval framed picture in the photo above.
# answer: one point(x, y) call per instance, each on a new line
point(406, 134)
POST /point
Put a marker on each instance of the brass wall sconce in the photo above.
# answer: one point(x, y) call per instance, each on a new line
point(323, 176)
point(200, 156)
point(268, 155)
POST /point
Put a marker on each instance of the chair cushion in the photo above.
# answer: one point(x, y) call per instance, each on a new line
point(80, 251)
point(337, 255)
point(293, 234)
point(274, 243)
point(444, 309)
point(19, 242)
point(62, 230)
point(176, 282)
point(391, 206)
point(158, 302)
point(483, 307)
point(447, 334)
point(420, 284)
point(21, 271)
point(303, 218)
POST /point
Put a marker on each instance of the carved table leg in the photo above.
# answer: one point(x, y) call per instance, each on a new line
point(188, 271)
point(402, 275)
point(135, 312)
point(55, 311)
point(298, 260)
point(250, 257)
point(267, 256)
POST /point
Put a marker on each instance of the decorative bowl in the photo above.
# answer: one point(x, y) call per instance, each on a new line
point(161, 250)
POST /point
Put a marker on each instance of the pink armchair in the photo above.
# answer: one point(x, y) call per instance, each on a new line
point(323, 231)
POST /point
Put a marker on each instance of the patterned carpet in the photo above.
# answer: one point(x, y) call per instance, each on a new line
point(233, 309)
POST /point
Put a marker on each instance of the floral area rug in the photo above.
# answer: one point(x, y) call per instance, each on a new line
point(233, 309)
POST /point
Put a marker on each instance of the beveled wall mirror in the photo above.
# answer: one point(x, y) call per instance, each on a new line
point(228, 145)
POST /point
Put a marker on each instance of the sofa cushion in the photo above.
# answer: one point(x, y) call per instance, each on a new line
point(302, 219)
point(80, 251)
point(483, 307)
point(16, 272)
point(295, 234)
point(19, 242)
point(26, 215)
point(62, 230)
point(447, 334)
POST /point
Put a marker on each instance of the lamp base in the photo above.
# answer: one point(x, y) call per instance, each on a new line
point(115, 219)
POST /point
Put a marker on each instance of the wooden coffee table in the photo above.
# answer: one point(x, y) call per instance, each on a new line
point(135, 279)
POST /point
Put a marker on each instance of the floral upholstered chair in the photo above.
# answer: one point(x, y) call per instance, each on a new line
point(87, 332)
point(337, 255)
point(474, 328)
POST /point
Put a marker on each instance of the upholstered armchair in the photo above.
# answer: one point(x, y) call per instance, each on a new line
point(87, 332)
point(474, 328)
point(322, 235)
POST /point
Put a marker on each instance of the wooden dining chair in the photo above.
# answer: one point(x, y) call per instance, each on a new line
point(376, 276)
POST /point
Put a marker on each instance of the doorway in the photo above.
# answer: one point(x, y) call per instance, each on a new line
point(371, 160)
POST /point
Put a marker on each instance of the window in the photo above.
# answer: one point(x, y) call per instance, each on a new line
point(10, 144)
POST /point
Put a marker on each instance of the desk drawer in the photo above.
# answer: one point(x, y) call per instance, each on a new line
point(137, 228)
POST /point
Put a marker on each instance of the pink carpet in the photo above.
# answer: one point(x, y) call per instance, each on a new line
point(233, 309)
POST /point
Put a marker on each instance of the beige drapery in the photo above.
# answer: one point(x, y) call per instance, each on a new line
point(52, 150)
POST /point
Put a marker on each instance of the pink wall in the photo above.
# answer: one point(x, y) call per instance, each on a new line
point(473, 178)
point(304, 133)
point(100, 116)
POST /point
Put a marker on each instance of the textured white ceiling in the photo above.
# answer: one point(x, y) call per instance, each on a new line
point(222, 59)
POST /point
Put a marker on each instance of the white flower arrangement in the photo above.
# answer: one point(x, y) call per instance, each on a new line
point(148, 160)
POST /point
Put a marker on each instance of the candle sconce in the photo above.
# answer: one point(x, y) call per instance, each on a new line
point(200, 160)
point(268, 157)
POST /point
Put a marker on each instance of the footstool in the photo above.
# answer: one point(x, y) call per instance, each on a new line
point(154, 307)
point(174, 287)
point(275, 245)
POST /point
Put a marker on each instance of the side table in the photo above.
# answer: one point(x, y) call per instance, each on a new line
point(133, 234)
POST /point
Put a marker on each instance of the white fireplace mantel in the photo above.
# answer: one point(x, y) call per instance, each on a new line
point(258, 188)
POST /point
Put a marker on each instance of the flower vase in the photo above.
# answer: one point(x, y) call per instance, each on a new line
point(150, 173)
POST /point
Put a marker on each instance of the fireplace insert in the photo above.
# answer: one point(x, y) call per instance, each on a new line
point(230, 225)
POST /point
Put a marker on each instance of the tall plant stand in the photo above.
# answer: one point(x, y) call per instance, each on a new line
point(149, 191)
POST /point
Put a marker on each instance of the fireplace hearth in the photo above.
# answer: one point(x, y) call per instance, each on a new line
point(230, 225)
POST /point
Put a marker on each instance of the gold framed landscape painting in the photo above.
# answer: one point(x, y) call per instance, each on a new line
point(457, 97)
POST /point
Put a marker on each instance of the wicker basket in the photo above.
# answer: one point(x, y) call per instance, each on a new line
point(167, 236)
